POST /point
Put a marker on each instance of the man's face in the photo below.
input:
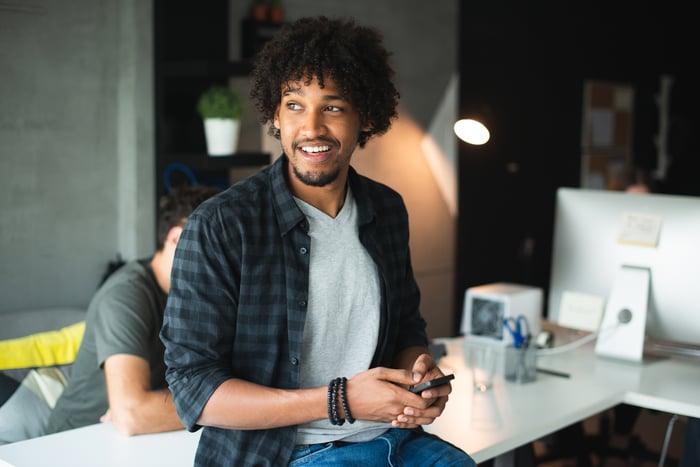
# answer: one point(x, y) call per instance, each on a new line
point(318, 131)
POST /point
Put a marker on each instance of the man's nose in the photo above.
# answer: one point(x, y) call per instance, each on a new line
point(313, 123)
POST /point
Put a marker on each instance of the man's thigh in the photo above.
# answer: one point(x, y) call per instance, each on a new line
point(396, 447)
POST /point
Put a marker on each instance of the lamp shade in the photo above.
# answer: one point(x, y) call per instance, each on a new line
point(471, 131)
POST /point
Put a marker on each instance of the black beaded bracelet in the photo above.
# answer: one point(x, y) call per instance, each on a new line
point(333, 403)
point(344, 401)
point(330, 402)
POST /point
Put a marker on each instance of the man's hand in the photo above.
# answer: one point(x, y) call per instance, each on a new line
point(381, 394)
point(433, 400)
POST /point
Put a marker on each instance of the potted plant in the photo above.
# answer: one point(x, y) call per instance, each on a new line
point(221, 109)
point(260, 11)
point(276, 12)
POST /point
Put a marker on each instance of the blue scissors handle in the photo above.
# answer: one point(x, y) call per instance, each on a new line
point(519, 329)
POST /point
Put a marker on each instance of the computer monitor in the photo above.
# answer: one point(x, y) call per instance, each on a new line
point(599, 234)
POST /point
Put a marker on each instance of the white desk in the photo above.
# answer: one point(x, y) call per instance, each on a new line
point(485, 425)
point(102, 445)
point(509, 415)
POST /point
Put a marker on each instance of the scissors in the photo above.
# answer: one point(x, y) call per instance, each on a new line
point(519, 329)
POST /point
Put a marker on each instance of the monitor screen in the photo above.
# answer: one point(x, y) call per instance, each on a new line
point(597, 232)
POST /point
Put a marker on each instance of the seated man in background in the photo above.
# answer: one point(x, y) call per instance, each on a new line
point(119, 372)
point(632, 179)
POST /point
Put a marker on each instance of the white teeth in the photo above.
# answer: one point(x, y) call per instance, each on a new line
point(316, 148)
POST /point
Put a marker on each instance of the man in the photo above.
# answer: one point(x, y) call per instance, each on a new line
point(293, 307)
point(119, 373)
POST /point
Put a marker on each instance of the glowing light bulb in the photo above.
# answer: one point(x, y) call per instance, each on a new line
point(471, 131)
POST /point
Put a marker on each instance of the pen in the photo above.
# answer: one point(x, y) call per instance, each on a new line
point(554, 373)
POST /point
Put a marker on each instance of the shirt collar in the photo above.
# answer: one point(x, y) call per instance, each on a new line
point(289, 214)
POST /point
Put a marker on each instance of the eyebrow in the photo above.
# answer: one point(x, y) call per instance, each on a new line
point(299, 92)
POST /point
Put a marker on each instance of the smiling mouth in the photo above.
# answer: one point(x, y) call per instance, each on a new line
point(315, 149)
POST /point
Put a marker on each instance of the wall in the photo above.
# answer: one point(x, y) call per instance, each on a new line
point(76, 178)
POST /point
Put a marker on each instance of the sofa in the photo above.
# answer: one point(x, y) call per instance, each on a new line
point(25, 322)
point(37, 349)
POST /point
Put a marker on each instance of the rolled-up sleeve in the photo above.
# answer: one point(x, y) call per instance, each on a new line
point(198, 326)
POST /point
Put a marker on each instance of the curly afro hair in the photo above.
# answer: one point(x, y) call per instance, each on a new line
point(318, 47)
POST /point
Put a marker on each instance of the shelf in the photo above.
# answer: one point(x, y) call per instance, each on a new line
point(185, 65)
point(201, 161)
point(219, 171)
point(204, 69)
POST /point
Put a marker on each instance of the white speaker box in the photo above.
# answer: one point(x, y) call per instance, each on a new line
point(487, 306)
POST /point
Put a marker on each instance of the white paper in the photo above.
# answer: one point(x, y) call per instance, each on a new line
point(640, 229)
point(580, 311)
point(602, 123)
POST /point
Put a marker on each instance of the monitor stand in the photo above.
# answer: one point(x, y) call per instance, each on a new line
point(622, 330)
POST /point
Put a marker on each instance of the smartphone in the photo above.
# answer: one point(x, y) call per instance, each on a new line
point(431, 384)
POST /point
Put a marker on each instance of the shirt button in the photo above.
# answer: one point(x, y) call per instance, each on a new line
point(302, 303)
point(303, 250)
point(295, 361)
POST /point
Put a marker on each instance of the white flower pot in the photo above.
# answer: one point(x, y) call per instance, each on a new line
point(221, 135)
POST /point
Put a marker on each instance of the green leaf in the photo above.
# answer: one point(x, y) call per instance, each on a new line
point(220, 102)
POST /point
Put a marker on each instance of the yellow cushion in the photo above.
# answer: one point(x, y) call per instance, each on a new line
point(43, 349)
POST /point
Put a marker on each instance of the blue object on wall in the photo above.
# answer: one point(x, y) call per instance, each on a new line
point(177, 166)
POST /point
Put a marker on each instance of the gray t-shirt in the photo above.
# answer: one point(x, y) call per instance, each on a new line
point(124, 317)
point(342, 323)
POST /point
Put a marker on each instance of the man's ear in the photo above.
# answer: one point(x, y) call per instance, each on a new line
point(173, 235)
point(276, 118)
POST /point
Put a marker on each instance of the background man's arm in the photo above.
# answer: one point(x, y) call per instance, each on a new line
point(134, 408)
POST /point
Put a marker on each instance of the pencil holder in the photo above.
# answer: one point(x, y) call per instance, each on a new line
point(521, 364)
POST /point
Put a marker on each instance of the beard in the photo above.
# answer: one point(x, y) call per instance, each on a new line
point(316, 179)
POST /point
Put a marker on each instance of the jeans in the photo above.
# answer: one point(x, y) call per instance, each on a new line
point(396, 448)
